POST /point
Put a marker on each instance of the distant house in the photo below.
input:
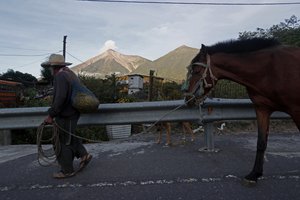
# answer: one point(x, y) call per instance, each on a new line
point(135, 82)
point(10, 93)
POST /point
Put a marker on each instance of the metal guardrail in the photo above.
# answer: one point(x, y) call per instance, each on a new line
point(232, 109)
point(108, 114)
point(144, 112)
point(227, 109)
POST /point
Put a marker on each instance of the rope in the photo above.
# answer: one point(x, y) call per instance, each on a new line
point(157, 121)
point(51, 159)
point(76, 136)
point(48, 159)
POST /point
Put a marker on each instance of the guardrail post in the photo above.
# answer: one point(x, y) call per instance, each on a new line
point(209, 138)
point(5, 137)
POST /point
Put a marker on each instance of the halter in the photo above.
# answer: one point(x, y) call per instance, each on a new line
point(202, 80)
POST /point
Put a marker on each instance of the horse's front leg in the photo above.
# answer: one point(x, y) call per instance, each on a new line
point(263, 120)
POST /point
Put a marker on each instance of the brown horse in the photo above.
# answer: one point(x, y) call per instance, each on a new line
point(270, 72)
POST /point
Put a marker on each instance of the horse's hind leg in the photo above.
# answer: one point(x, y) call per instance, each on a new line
point(159, 130)
point(263, 117)
point(184, 131)
point(187, 127)
point(168, 132)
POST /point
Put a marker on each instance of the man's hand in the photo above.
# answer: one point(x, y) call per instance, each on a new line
point(48, 120)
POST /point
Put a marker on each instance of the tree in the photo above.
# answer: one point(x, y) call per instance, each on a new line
point(106, 90)
point(172, 91)
point(25, 78)
point(46, 74)
point(287, 32)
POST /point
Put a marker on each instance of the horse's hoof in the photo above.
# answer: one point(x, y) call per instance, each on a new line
point(249, 183)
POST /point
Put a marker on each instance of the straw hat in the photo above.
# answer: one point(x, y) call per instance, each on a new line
point(55, 60)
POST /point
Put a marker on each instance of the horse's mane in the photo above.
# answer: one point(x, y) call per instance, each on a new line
point(242, 46)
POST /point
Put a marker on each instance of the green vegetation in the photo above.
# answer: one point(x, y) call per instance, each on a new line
point(230, 90)
point(26, 79)
point(171, 91)
point(46, 75)
point(287, 32)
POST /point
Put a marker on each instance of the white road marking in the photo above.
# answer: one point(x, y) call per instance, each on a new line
point(13, 152)
point(129, 183)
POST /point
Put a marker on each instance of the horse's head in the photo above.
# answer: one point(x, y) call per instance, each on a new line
point(200, 79)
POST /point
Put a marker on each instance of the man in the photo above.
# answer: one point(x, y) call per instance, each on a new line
point(66, 118)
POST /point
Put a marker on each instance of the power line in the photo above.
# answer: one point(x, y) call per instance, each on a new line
point(33, 62)
point(74, 57)
point(24, 55)
point(8, 47)
point(197, 3)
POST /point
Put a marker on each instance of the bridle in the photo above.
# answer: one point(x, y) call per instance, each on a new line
point(202, 81)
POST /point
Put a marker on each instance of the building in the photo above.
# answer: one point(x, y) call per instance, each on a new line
point(10, 93)
point(135, 83)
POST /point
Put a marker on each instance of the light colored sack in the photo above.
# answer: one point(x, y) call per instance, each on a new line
point(82, 99)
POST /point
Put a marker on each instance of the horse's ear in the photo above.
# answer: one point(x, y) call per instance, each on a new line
point(203, 49)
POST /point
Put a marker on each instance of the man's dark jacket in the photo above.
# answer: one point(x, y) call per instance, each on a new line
point(61, 104)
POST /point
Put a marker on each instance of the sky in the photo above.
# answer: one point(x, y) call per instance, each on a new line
point(33, 29)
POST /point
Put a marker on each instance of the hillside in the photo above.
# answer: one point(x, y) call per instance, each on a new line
point(171, 66)
point(110, 62)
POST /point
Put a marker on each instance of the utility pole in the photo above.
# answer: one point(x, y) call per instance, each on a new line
point(64, 46)
point(150, 93)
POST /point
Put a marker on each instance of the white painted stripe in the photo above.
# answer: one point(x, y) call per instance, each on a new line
point(189, 180)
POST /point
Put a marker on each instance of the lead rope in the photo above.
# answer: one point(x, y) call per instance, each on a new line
point(50, 159)
point(157, 121)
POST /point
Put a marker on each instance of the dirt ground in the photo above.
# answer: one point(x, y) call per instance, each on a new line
point(239, 127)
point(233, 127)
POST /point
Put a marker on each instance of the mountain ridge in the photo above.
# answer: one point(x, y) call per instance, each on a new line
point(170, 66)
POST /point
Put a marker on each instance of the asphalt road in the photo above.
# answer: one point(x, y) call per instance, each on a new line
point(138, 168)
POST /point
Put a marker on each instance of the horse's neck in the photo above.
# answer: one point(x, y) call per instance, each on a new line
point(236, 69)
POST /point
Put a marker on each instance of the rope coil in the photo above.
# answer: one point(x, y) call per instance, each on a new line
point(46, 159)
point(50, 159)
